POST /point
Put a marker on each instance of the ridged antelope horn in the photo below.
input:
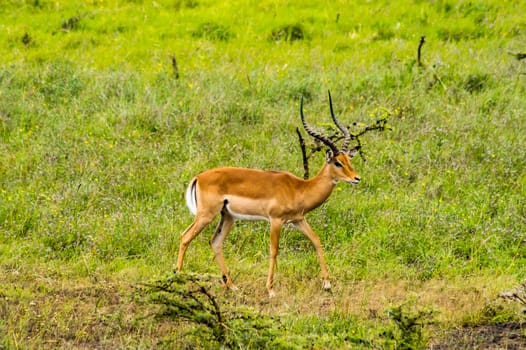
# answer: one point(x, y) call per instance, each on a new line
point(346, 134)
point(316, 135)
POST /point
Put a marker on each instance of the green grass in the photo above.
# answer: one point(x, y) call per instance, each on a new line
point(98, 141)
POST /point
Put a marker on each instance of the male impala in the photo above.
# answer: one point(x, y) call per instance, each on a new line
point(275, 196)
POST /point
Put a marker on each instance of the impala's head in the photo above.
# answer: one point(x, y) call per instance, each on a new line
point(339, 160)
point(341, 167)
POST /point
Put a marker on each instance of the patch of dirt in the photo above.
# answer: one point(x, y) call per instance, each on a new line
point(509, 336)
point(78, 315)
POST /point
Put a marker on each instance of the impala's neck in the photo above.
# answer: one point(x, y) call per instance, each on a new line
point(319, 188)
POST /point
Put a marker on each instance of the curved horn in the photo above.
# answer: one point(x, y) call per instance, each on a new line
point(346, 134)
point(316, 135)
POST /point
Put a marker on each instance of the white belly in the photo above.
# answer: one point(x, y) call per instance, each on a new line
point(239, 214)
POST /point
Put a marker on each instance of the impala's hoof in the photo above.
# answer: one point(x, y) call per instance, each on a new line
point(271, 293)
point(228, 283)
point(326, 285)
point(231, 286)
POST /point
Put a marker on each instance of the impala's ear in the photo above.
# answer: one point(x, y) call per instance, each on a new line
point(351, 153)
point(329, 155)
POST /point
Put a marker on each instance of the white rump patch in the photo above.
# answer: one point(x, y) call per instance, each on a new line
point(191, 197)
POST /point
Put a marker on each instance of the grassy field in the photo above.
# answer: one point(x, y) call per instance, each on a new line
point(99, 139)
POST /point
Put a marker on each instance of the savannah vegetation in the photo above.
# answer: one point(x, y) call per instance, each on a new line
point(108, 108)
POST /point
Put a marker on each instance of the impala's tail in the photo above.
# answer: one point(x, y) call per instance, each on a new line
point(191, 196)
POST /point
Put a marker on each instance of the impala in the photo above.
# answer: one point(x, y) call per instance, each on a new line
point(274, 196)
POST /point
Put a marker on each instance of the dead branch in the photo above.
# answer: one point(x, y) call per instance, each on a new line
point(175, 68)
point(419, 54)
point(518, 55)
point(304, 154)
point(381, 124)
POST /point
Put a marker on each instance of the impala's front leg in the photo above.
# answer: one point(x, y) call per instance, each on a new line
point(305, 228)
point(275, 229)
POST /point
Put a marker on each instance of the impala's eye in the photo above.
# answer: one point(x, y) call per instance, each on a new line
point(338, 164)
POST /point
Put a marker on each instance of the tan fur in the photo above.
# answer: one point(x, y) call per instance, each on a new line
point(278, 197)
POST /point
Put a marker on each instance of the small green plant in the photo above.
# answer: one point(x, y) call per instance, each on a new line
point(475, 82)
point(71, 23)
point(185, 4)
point(27, 40)
point(289, 32)
point(408, 332)
point(188, 298)
point(213, 31)
point(517, 294)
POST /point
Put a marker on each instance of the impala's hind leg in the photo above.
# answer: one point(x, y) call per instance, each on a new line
point(223, 227)
point(191, 232)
